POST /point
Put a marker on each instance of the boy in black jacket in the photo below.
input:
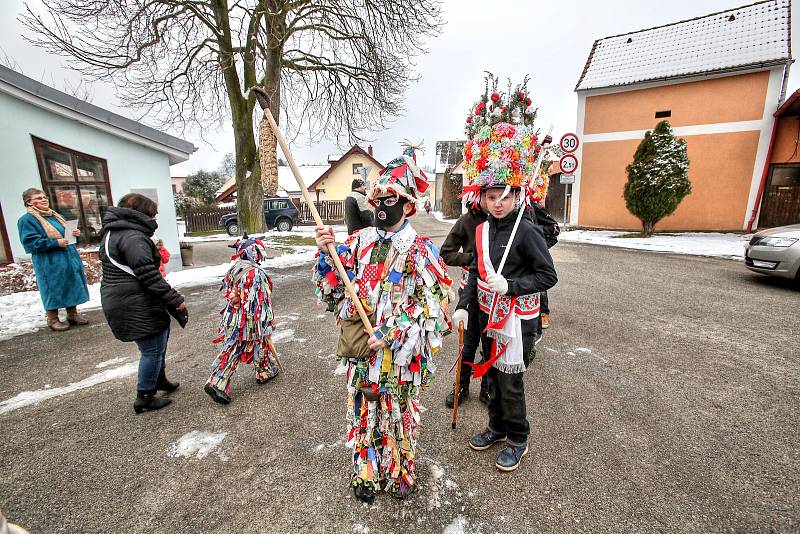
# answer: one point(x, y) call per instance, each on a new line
point(508, 269)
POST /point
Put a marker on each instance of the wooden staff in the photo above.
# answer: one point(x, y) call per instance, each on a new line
point(458, 373)
point(263, 101)
point(275, 353)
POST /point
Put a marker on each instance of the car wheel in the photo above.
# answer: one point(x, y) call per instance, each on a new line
point(233, 229)
point(284, 225)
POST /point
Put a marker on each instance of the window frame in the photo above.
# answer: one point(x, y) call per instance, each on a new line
point(39, 144)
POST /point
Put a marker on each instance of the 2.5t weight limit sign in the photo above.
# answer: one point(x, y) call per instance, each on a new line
point(569, 143)
point(568, 163)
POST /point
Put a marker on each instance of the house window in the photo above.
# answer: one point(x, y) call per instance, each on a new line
point(664, 114)
point(77, 185)
point(356, 166)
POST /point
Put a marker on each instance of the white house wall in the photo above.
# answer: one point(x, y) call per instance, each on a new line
point(130, 165)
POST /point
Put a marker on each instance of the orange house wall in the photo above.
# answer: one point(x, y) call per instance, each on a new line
point(785, 149)
point(720, 169)
point(716, 100)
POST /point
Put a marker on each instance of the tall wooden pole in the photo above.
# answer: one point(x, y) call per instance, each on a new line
point(263, 101)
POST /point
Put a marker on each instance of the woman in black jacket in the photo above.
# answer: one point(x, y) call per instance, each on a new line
point(135, 296)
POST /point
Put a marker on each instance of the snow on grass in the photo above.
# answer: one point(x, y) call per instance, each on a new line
point(22, 313)
point(340, 231)
point(197, 444)
point(29, 398)
point(112, 361)
point(692, 243)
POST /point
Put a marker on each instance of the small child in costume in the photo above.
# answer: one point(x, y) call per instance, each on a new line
point(403, 285)
point(164, 253)
point(247, 320)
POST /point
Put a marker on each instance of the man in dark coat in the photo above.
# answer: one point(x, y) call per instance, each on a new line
point(134, 295)
point(357, 212)
point(458, 250)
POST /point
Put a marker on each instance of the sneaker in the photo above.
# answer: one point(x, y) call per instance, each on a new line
point(545, 320)
point(484, 396)
point(484, 440)
point(510, 456)
point(463, 393)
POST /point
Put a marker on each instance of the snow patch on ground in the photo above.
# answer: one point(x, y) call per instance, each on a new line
point(283, 335)
point(29, 398)
point(197, 444)
point(439, 216)
point(358, 528)
point(457, 526)
point(692, 243)
point(112, 361)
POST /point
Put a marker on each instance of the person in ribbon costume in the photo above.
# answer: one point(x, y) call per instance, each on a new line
point(500, 159)
point(247, 322)
point(403, 285)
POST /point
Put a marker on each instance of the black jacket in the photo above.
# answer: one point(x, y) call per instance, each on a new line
point(549, 225)
point(354, 217)
point(529, 267)
point(135, 306)
point(458, 248)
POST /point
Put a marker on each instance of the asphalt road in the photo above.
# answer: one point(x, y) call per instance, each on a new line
point(663, 399)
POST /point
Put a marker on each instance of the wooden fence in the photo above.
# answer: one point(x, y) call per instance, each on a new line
point(207, 219)
point(331, 211)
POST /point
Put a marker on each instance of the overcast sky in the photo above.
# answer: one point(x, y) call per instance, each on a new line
point(548, 40)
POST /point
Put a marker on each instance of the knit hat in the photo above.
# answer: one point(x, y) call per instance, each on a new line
point(356, 183)
point(401, 177)
point(503, 143)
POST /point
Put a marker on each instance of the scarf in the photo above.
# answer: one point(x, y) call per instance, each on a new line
point(506, 314)
point(49, 229)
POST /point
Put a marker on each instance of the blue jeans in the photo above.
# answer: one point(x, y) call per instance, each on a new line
point(153, 348)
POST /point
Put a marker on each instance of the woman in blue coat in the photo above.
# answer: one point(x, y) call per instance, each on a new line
point(57, 264)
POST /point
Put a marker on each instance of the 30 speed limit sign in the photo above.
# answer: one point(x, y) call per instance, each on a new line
point(569, 143)
point(568, 163)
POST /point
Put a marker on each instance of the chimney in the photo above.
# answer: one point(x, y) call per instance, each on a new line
point(369, 150)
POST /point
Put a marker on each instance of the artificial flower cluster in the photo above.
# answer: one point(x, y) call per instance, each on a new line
point(495, 107)
point(500, 155)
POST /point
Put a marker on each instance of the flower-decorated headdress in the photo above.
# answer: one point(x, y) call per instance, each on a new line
point(402, 177)
point(503, 143)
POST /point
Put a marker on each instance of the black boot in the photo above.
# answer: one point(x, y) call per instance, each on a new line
point(219, 396)
point(363, 493)
point(451, 397)
point(162, 384)
point(147, 401)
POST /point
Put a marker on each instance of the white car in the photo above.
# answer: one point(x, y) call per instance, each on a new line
point(775, 252)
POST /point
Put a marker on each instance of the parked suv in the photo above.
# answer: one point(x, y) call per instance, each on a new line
point(280, 213)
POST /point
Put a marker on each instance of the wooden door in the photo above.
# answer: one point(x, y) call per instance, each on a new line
point(781, 203)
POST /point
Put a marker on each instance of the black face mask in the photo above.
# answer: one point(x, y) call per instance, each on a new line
point(386, 216)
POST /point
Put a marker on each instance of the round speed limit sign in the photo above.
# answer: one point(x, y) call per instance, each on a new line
point(569, 143)
point(568, 163)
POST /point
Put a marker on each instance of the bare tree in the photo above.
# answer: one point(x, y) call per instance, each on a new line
point(335, 68)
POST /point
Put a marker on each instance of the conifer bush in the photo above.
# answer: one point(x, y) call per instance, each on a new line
point(658, 178)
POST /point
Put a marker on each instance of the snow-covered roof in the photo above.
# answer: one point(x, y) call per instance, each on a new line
point(286, 181)
point(757, 35)
point(309, 173)
point(178, 171)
